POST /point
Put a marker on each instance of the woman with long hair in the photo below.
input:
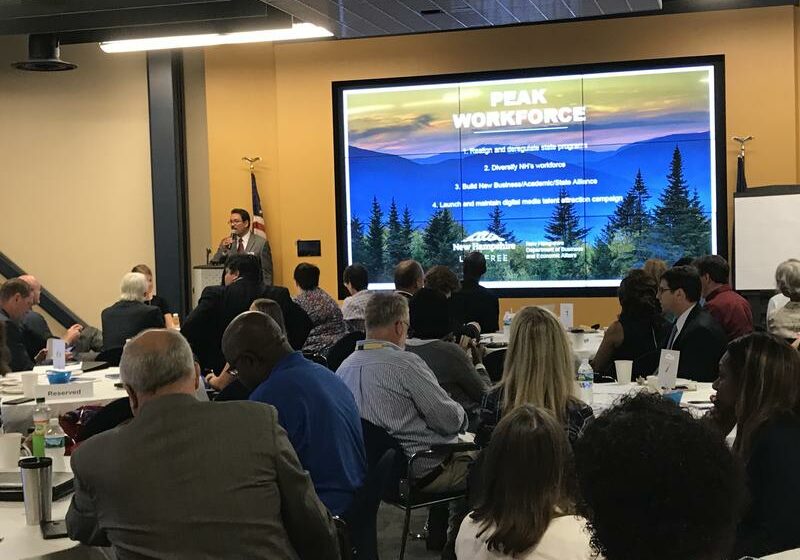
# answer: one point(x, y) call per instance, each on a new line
point(539, 369)
point(524, 509)
point(637, 333)
point(758, 391)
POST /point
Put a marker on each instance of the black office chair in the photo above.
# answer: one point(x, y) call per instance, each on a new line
point(409, 494)
point(110, 416)
point(362, 514)
point(493, 361)
point(343, 538)
point(343, 348)
point(316, 358)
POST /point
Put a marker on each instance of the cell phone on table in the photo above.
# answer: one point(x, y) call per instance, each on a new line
point(21, 400)
point(54, 529)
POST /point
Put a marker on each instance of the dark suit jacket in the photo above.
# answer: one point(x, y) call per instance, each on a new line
point(187, 479)
point(35, 333)
point(219, 305)
point(126, 319)
point(702, 343)
point(475, 303)
point(17, 353)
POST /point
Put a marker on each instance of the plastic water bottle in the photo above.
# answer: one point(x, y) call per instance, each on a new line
point(507, 318)
point(586, 381)
point(55, 444)
point(41, 416)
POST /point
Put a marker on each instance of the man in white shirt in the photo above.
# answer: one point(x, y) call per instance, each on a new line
point(698, 337)
point(242, 240)
point(356, 279)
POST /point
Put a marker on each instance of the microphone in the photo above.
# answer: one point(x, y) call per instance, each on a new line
point(233, 239)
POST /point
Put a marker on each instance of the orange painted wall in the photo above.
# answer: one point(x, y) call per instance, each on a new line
point(275, 101)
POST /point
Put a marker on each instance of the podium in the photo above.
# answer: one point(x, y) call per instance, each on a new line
point(203, 276)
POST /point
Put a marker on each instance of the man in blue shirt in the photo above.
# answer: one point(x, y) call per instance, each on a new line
point(316, 408)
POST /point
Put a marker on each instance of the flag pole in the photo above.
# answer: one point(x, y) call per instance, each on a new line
point(251, 161)
point(741, 178)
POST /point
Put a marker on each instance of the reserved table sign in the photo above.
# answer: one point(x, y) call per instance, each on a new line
point(72, 390)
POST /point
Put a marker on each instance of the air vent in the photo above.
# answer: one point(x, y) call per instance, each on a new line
point(44, 55)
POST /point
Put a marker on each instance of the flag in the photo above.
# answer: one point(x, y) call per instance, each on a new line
point(741, 180)
point(258, 212)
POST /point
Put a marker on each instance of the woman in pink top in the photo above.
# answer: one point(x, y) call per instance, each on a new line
point(525, 509)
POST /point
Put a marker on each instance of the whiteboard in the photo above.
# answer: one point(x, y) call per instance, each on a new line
point(766, 232)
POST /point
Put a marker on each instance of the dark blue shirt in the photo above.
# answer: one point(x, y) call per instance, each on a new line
point(319, 413)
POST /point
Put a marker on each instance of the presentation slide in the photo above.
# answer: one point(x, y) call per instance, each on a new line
point(562, 181)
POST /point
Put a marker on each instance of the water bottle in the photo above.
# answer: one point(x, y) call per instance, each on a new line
point(585, 381)
point(55, 444)
point(507, 318)
point(41, 416)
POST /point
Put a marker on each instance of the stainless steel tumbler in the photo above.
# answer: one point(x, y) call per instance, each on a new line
point(37, 488)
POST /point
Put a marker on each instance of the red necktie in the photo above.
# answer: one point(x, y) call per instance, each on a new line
point(240, 247)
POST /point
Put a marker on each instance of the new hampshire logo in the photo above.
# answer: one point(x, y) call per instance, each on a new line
point(483, 241)
point(483, 237)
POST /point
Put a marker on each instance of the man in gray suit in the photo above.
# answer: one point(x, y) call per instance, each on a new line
point(243, 240)
point(187, 479)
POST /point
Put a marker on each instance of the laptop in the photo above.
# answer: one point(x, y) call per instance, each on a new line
point(11, 486)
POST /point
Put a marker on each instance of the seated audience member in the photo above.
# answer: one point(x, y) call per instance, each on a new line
point(656, 484)
point(540, 370)
point(143, 489)
point(779, 300)
point(218, 305)
point(784, 321)
point(525, 510)
point(262, 305)
point(441, 279)
point(637, 334)
point(473, 302)
point(356, 280)
point(397, 391)
point(655, 268)
point(759, 393)
point(4, 355)
point(130, 315)
point(16, 299)
point(409, 278)
point(731, 310)
point(35, 330)
point(695, 333)
point(461, 375)
point(314, 407)
point(154, 299)
point(323, 310)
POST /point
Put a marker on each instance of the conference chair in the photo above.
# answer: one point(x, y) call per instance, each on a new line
point(343, 538)
point(362, 514)
point(493, 361)
point(408, 495)
point(343, 348)
point(110, 416)
point(111, 356)
point(316, 358)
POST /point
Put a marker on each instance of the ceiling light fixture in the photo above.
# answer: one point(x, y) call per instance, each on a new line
point(296, 31)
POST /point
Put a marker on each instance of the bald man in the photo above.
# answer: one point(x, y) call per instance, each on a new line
point(409, 278)
point(188, 479)
point(314, 406)
point(35, 331)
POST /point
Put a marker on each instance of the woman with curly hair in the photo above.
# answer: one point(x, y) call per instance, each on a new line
point(657, 484)
point(525, 508)
point(539, 369)
point(758, 391)
point(637, 334)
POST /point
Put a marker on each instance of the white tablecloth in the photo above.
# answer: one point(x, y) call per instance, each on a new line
point(19, 417)
point(696, 400)
point(584, 345)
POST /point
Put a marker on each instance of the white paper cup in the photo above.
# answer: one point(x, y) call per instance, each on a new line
point(624, 369)
point(29, 380)
point(9, 451)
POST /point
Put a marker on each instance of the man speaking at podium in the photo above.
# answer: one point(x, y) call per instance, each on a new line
point(243, 240)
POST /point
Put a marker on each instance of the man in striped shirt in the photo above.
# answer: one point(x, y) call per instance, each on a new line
point(397, 391)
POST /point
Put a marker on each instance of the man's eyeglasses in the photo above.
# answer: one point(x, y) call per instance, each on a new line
point(662, 289)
